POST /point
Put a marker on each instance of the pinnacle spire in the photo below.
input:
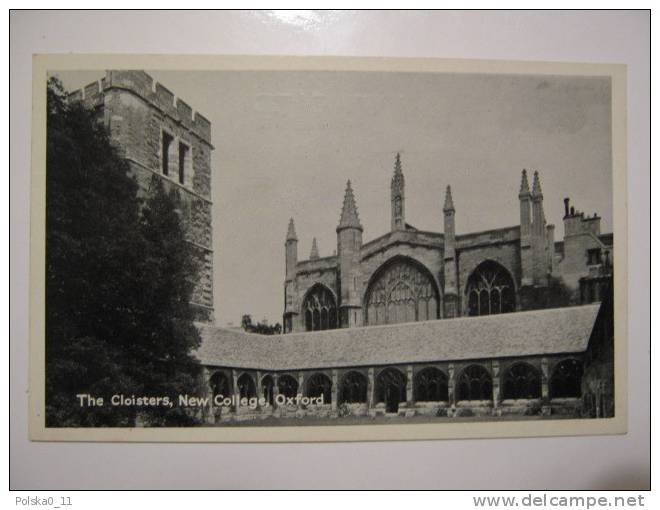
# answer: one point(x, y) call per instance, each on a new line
point(314, 254)
point(349, 215)
point(536, 186)
point(397, 178)
point(449, 201)
point(524, 185)
point(291, 232)
point(397, 164)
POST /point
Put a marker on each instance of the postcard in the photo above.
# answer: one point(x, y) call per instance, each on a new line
point(262, 249)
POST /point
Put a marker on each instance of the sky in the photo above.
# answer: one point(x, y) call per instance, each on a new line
point(286, 143)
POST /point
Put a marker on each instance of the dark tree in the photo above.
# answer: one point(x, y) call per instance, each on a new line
point(246, 322)
point(117, 280)
point(164, 323)
point(260, 328)
point(558, 294)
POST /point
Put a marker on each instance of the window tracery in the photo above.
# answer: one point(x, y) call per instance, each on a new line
point(475, 383)
point(521, 380)
point(431, 386)
point(490, 290)
point(401, 293)
point(320, 309)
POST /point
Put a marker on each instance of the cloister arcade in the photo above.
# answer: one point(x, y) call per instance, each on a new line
point(540, 385)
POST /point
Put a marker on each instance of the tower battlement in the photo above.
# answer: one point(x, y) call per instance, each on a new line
point(144, 86)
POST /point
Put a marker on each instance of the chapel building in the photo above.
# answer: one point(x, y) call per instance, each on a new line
point(410, 323)
point(409, 275)
point(432, 324)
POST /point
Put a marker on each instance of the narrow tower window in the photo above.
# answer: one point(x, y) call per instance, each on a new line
point(183, 162)
point(165, 155)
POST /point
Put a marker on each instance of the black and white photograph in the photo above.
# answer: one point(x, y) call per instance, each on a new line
point(346, 249)
point(300, 247)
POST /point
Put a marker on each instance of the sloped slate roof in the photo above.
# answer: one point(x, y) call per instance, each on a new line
point(554, 331)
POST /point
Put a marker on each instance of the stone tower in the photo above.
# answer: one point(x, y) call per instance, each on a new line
point(349, 243)
point(536, 244)
point(291, 260)
point(160, 135)
point(526, 255)
point(539, 235)
point(450, 269)
point(398, 196)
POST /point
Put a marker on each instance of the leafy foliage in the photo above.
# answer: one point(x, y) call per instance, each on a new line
point(118, 280)
point(261, 328)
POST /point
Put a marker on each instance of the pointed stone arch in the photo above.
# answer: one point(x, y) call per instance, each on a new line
point(391, 388)
point(431, 385)
point(220, 384)
point(566, 379)
point(474, 383)
point(354, 388)
point(319, 308)
point(267, 389)
point(319, 385)
point(401, 290)
point(490, 289)
point(246, 386)
point(521, 380)
point(287, 385)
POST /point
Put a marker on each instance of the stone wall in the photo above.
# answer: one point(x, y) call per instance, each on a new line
point(137, 112)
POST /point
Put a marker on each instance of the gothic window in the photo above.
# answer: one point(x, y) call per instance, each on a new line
point(267, 387)
point(391, 389)
point(401, 291)
point(219, 385)
point(320, 384)
point(431, 386)
point(320, 309)
point(521, 381)
point(246, 387)
point(566, 380)
point(287, 386)
point(490, 290)
point(474, 383)
point(354, 388)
